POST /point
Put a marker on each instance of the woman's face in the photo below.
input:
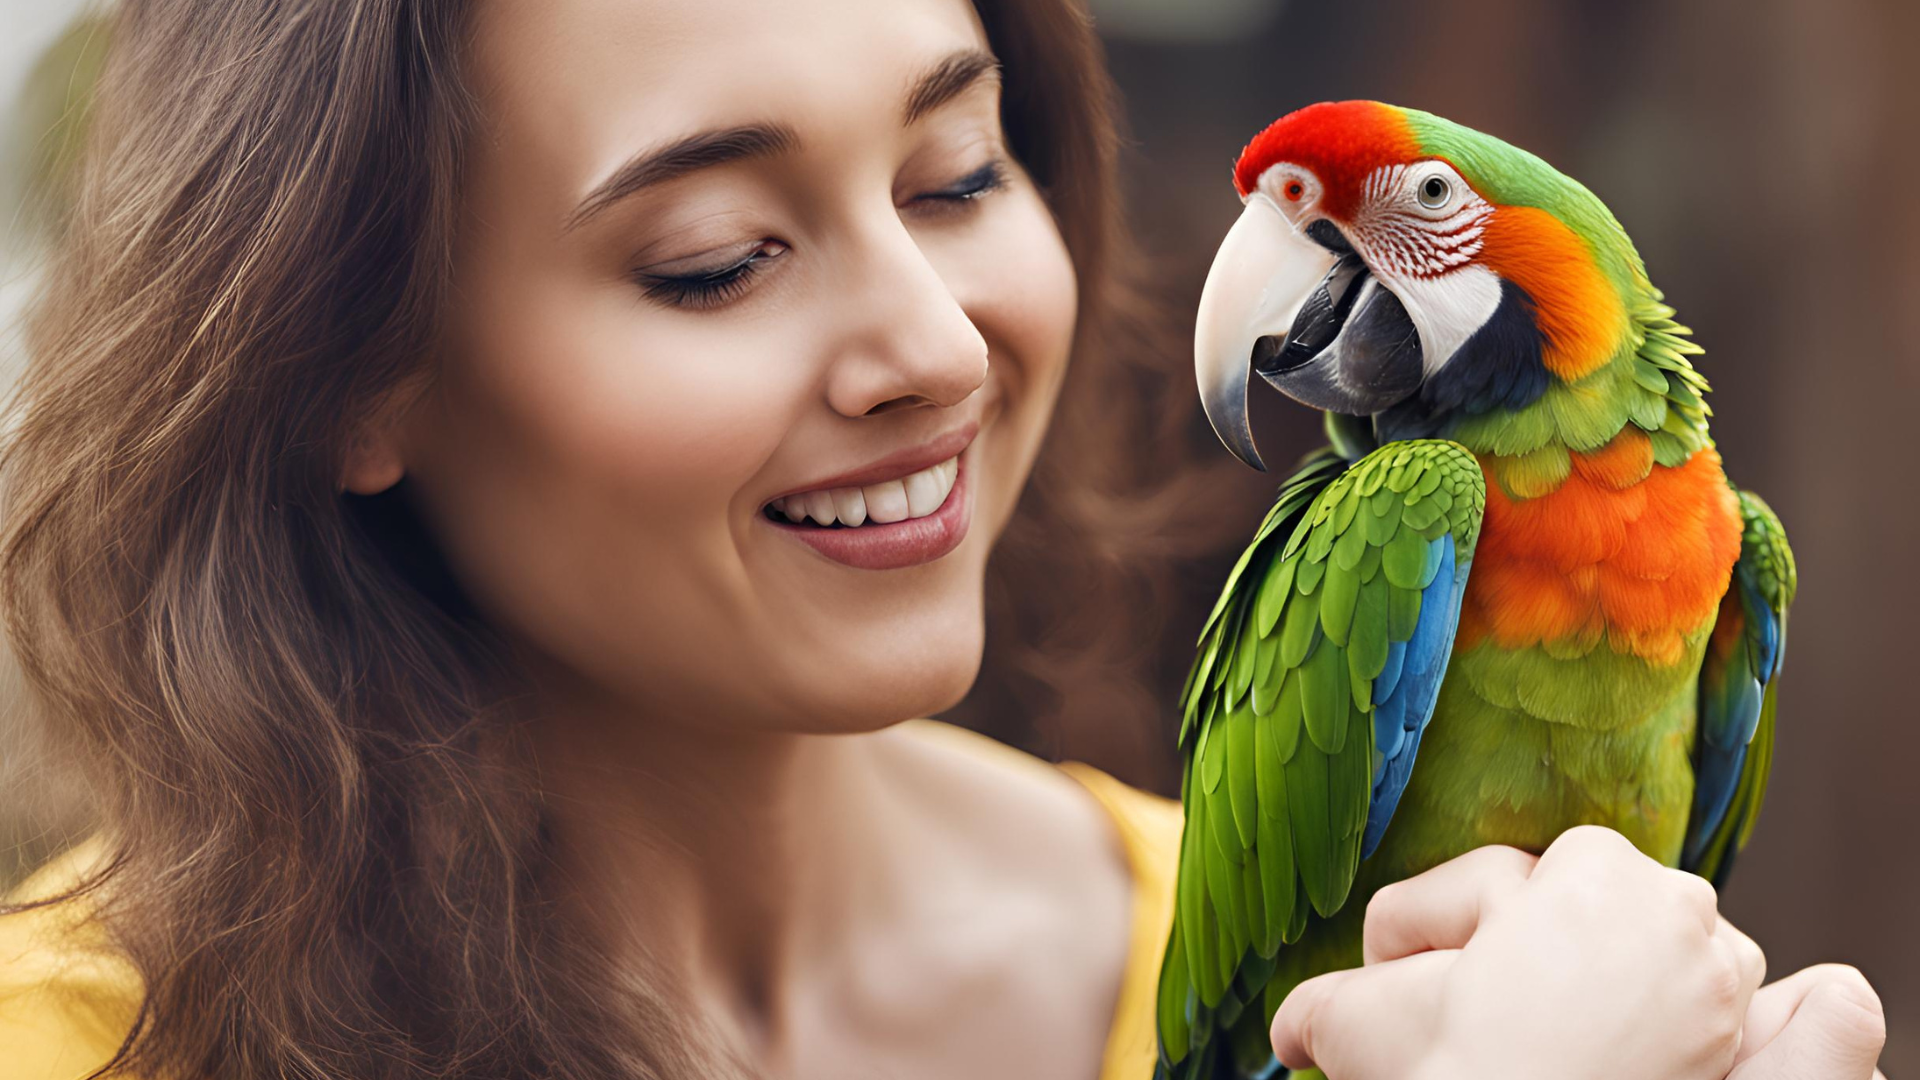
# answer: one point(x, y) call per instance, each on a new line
point(727, 263)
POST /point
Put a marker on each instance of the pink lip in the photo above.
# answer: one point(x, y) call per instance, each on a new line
point(896, 465)
point(902, 543)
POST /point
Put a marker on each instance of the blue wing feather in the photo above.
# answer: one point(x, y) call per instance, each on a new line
point(1401, 715)
point(1733, 742)
point(1390, 675)
point(1733, 692)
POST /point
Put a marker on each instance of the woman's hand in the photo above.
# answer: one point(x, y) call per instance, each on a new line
point(1590, 961)
point(1824, 1021)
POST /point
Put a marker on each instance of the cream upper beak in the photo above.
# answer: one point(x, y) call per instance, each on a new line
point(1262, 274)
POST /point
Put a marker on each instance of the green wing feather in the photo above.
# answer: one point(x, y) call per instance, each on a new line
point(1277, 719)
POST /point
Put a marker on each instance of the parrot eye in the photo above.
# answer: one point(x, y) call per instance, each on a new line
point(1294, 190)
point(1435, 192)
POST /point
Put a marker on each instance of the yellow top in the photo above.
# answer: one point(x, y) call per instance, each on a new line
point(1149, 827)
point(67, 1000)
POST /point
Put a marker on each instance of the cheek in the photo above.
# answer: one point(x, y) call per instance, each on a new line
point(1019, 288)
point(684, 411)
point(1024, 296)
point(578, 443)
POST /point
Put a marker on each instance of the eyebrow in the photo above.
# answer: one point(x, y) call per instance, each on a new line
point(938, 84)
point(946, 80)
point(681, 156)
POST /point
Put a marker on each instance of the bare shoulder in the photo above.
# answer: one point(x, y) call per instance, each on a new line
point(1008, 793)
point(1083, 807)
point(1046, 878)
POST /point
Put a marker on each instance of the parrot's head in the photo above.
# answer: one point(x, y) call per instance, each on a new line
point(1390, 260)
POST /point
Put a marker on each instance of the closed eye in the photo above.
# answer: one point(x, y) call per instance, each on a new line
point(980, 182)
point(721, 285)
point(711, 288)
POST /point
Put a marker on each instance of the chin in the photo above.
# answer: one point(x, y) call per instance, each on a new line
point(885, 675)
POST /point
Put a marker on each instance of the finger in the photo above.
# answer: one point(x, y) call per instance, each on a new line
point(1748, 961)
point(1441, 908)
point(1700, 896)
point(1365, 1022)
point(1585, 843)
point(1835, 1030)
point(1772, 1006)
point(1596, 852)
point(1300, 1024)
point(1828, 1002)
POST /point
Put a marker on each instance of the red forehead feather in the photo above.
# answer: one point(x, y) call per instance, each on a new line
point(1340, 141)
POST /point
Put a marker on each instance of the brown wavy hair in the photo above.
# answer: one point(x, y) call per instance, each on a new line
point(320, 856)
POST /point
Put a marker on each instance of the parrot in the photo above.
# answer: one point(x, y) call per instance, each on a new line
point(1515, 593)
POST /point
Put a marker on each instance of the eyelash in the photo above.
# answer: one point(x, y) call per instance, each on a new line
point(982, 181)
point(712, 288)
point(719, 286)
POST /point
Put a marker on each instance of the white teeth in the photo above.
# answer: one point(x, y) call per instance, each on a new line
point(849, 506)
point(820, 507)
point(884, 503)
point(926, 489)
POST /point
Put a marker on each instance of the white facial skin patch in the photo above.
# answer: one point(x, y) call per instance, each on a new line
point(1419, 228)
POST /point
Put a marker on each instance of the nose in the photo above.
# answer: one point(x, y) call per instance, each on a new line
point(909, 341)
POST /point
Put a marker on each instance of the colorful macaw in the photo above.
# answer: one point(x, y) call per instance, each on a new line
point(1516, 594)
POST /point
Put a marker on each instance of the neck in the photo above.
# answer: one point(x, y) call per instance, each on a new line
point(714, 856)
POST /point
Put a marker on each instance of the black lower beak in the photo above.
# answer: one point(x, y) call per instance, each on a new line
point(1320, 321)
point(1352, 349)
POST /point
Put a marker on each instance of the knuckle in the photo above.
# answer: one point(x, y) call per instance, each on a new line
point(1751, 957)
point(1686, 904)
point(1382, 909)
point(1503, 856)
point(1501, 872)
point(1723, 974)
point(1695, 888)
point(1385, 898)
point(1301, 1016)
point(1590, 836)
point(1591, 842)
point(1721, 1021)
point(1695, 894)
point(1854, 1006)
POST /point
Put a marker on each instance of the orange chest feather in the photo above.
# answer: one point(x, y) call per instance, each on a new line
point(1638, 556)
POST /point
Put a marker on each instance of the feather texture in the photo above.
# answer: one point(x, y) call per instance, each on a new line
point(1733, 748)
point(1333, 633)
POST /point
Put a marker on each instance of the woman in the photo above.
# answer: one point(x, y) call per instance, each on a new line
point(418, 534)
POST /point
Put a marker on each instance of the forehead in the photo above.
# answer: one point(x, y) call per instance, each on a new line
point(588, 81)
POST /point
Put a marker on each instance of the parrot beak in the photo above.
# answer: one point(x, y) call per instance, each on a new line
point(1263, 274)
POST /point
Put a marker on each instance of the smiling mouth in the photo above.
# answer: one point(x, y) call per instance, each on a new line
point(916, 495)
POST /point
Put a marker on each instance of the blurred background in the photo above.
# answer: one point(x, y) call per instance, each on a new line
point(1762, 155)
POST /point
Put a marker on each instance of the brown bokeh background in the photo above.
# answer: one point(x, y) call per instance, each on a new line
point(1763, 156)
